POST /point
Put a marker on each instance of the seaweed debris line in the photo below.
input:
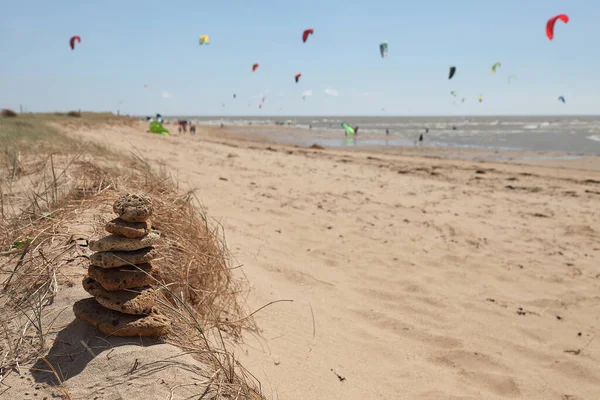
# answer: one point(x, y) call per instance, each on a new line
point(121, 277)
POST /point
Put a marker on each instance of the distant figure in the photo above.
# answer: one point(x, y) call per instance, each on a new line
point(309, 126)
point(222, 125)
point(387, 132)
point(356, 130)
point(421, 139)
point(179, 129)
point(192, 128)
point(453, 128)
point(426, 130)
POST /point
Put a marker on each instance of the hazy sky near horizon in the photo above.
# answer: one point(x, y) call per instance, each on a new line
point(126, 45)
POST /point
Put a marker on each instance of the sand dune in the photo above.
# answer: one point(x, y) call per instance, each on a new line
point(411, 277)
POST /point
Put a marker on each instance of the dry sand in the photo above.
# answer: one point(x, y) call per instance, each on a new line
point(411, 277)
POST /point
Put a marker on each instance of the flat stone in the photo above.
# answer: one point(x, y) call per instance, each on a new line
point(119, 243)
point(133, 207)
point(113, 259)
point(115, 323)
point(128, 229)
point(135, 301)
point(125, 277)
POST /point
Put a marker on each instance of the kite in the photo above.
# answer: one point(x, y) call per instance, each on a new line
point(349, 130)
point(453, 93)
point(204, 39)
point(72, 41)
point(254, 67)
point(562, 98)
point(306, 33)
point(234, 96)
point(452, 71)
point(297, 76)
point(156, 127)
point(479, 98)
point(383, 48)
point(496, 65)
point(550, 24)
point(511, 76)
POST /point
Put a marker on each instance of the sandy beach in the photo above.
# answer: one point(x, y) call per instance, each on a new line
point(413, 276)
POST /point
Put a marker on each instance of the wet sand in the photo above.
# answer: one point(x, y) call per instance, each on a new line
point(415, 273)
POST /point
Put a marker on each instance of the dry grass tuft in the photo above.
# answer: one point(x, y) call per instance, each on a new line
point(195, 261)
point(8, 113)
point(74, 114)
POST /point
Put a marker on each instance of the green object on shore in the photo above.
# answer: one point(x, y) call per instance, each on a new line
point(348, 128)
point(156, 127)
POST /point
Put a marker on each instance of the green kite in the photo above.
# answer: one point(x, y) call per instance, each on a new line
point(156, 127)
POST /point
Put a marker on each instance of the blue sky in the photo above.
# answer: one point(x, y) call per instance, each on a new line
point(127, 44)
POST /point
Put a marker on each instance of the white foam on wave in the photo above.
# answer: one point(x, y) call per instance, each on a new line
point(595, 138)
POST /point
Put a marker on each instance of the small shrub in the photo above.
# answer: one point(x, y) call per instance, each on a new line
point(74, 114)
point(8, 113)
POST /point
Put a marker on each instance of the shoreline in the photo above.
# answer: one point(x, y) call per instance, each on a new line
point(512, 157)
point(573, 136)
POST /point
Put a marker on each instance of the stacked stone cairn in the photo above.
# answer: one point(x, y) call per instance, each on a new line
point(121, 276)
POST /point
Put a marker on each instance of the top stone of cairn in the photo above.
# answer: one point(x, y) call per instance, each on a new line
point(133, 207)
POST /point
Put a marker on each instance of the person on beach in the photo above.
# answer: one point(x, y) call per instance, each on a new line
point(421, 139)
point(192, 128)
point(387, 132)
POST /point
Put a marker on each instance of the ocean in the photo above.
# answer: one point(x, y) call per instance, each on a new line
point(578, 135)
